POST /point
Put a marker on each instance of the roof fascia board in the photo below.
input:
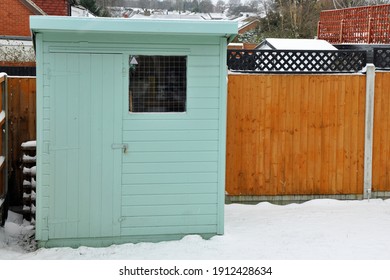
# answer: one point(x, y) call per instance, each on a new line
point(226, 29)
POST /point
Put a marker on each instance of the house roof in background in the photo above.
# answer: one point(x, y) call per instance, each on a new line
point(296, 44)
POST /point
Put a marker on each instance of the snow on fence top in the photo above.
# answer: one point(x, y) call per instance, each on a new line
point(29, 144)
point(362, 25)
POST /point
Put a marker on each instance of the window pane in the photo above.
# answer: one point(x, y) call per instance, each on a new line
point(157, 83)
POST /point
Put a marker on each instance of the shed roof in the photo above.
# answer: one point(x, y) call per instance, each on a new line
point(226, 29)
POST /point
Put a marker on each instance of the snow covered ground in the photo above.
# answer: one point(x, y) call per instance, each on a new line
point(318, 229)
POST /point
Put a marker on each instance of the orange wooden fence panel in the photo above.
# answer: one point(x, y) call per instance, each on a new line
point(295, 134)
point(381, 139)
point(368, 24)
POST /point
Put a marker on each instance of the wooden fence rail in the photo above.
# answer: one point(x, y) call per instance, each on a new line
point(305, 135)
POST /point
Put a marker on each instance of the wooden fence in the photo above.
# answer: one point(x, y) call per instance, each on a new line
point(381, 139)
point(287, 134)
point(22, 127)
point(304, 134)
point(3, 136)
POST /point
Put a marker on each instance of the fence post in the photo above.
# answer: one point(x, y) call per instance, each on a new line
point(369, 128)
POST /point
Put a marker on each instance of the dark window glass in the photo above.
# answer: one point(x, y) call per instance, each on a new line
point(157, 83)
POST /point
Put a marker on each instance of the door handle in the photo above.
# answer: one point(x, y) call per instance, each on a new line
point(123, 147)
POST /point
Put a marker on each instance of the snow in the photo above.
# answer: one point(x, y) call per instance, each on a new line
point(30, 171)
point(29, 144)
point(2, 159)
point(298, 44)
point(319, 229)
point(29, 158)
point(2, 116)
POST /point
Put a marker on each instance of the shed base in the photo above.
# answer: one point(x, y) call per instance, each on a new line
point(108, 241)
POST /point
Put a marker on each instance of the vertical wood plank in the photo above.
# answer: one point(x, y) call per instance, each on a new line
point(84, 144)
point(304, 112)
point(296, 133)
point(354, 134)
point(275, 115)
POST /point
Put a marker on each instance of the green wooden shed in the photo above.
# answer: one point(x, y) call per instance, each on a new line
point(131, 129)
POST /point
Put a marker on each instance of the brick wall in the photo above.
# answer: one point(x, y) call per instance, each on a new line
point(14, 18)
point(53, 7)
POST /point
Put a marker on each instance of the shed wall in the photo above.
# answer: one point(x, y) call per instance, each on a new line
point(172, 180)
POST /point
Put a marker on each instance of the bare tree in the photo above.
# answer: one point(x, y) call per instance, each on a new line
point(220, 6)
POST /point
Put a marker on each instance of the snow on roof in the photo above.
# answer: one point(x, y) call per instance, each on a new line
point(16, 50)
point(297, 44)
point(169, 16)
point(80, 11)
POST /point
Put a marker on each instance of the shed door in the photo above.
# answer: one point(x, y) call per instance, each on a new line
point(85, 96)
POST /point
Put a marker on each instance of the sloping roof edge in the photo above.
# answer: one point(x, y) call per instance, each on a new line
point(32, 7)
point(248, 23)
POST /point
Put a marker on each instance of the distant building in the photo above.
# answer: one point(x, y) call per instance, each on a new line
point(14, 14)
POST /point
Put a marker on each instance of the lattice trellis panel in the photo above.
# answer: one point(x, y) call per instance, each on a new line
point(369, 25)
point(382, 58)
point(296, 61)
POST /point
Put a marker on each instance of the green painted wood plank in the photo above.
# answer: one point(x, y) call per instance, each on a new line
point(200, 60)
point(39, 231)
point(201, 82)
point(184, 220)
point(126, 39)
point(192, 156)
point(222, 138)
point(170, 230)
point(168, 199)
point(170, 135)
point(203, 103)
point(179, 188)
point(203, 92)
point(203, 71)
point(164, 167)
point(169, 124)
point(190, 114)
point(95, 188)
point(58, 206)
point(107, 120)
point(84, 144)
point(173, 177)
point(166, 210)
point(72, 136)
point(117, 124)
point(172, 146)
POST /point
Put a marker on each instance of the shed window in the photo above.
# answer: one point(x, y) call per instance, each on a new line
point(157, 83)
